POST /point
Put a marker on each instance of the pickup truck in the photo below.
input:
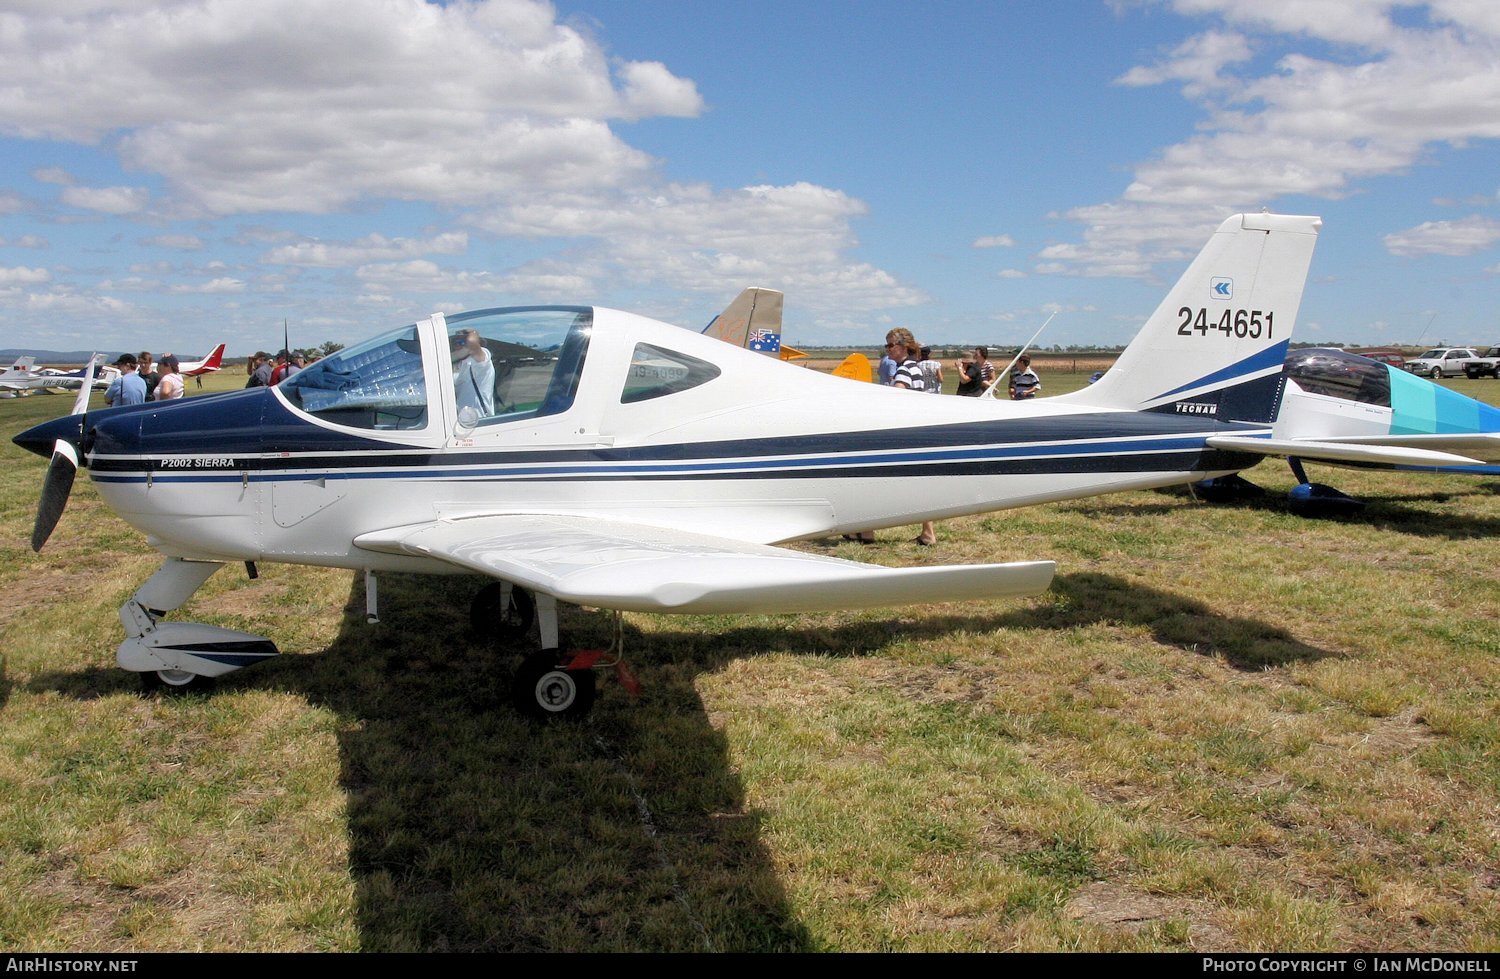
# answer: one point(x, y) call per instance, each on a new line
point(1441, 362)
point(1487, 364)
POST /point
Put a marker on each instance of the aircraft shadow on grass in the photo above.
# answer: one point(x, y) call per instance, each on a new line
point(473, 829)
point(1080, 599)
point(1383, 512)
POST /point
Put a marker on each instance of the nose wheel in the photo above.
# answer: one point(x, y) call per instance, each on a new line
point(175, 682)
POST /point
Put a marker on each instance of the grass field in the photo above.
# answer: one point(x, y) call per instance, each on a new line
point(1225, 727)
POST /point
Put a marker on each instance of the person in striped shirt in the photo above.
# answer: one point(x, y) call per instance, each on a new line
point(903, 348)
point(1023, 380)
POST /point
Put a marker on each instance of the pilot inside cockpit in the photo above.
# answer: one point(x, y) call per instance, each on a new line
point(473, 373)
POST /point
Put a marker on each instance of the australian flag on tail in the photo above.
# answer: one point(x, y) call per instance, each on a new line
point(765, 341)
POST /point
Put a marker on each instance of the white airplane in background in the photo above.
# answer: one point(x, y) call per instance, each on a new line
point(20, 380)
point(18, 377)
point(1336, 401)
point(102, 374)
point(592, 456)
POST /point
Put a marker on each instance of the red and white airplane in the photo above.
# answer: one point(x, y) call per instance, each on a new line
point(207, 365)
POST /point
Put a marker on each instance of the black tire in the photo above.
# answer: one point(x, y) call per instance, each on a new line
point(508, 624)
point(175, 683)
point(543, 691)
point(1437, 372)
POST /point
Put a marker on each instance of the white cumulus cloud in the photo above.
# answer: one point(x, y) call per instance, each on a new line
point(1462, 237)
point(107, 200)
point(306, 105)
point(371, 248)
point(20, 275)
point(1354, 93)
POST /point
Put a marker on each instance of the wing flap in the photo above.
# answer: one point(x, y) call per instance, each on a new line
point(1384, 455)
point(636, 568)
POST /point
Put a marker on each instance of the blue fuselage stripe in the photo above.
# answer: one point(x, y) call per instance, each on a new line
point(1069, 457)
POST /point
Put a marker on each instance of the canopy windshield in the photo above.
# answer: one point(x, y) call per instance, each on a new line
point(375, 384)
point(1338, 374)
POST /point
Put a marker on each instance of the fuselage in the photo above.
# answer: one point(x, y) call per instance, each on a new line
point(615, 416)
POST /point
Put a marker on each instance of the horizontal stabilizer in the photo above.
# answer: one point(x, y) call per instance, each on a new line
point(1381, 455)
point(638, 568)
point(1481, 445)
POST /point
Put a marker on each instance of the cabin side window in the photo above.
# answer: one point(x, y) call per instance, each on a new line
point(377, 384)
point(656, 372)
point(518, 362)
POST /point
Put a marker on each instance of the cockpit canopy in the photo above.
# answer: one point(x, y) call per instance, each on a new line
point(1338, 374)
point(507, 364)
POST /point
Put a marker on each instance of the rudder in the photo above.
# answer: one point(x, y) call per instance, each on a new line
point(1215, 346)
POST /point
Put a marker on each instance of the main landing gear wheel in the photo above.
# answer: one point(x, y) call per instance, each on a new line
point(175, 682)
point(491, 614)
point(543, 690)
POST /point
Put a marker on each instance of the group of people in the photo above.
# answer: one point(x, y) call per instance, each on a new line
point(141, 380)
point(263, 374)
point(907, 365)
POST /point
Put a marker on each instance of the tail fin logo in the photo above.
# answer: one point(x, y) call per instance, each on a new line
point(1221, 288)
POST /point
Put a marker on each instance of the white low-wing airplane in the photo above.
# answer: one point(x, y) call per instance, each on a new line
point(589, 455)
point(21, 379)
point(1346, 410)
point(1336, 396)
point(18, 378)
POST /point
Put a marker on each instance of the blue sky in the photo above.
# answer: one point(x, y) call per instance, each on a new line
point(197, 170)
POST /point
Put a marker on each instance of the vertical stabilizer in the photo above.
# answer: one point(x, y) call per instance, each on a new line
point(1215, 346)
point(18, 370)
point(752, 321)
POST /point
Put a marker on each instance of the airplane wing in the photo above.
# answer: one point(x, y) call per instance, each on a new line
point(1383, 454)
point(637, 568)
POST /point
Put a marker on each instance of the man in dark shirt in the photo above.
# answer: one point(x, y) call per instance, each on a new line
point(975, 375)
point(261, 376)
point(146, 368)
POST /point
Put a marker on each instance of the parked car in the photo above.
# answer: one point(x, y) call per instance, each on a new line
point(1384, 355)
point(1487, 364)
point(1441, 362)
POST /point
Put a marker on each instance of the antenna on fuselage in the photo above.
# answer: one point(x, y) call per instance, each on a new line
point(989, 392)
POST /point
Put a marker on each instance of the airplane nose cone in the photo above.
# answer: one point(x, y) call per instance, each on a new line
point(41, 438)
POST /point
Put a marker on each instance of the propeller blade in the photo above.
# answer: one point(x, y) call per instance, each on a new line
point(55, 490)
point(81, 403)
